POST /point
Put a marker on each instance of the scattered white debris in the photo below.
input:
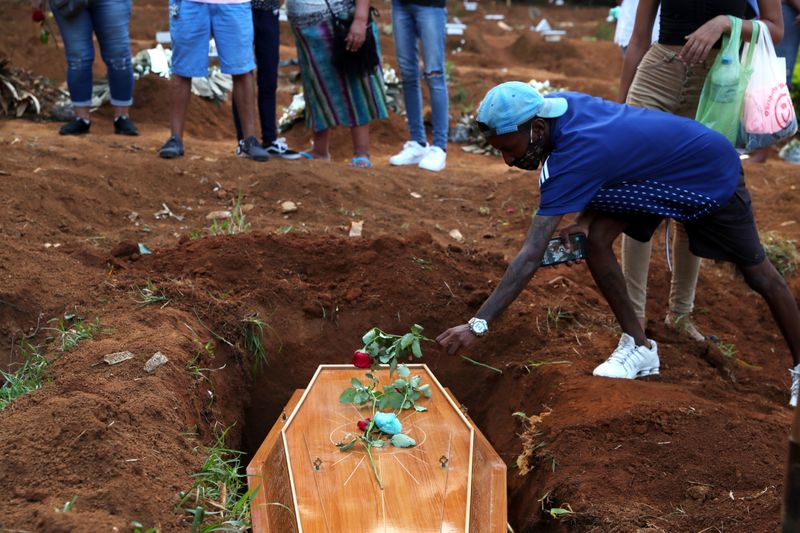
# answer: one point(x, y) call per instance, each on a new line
point(165, 212)
point(494, 17)
point(416, 195)
point(470, 6)
point(218, 215)
point(52, 244)
point(503, 26)
point(456, 235)
point(543, 25)
point(288, 207)
point(154, 362)
point(356, 226)
point(117, 357)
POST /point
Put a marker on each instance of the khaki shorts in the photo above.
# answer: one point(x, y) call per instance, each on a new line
point(665, 83)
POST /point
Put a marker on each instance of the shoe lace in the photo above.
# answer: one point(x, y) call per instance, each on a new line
point(795, 373)
point(280, 144)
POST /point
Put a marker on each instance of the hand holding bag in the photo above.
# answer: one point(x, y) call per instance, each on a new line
point(358, 62)
point(768, 115)
point(720, 105)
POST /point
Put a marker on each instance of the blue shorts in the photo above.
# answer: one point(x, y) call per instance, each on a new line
point(192, 24)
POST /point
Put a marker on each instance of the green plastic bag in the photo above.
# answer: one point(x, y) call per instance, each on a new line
point(720, 105)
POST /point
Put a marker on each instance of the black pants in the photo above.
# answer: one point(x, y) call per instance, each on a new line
point(267, 42)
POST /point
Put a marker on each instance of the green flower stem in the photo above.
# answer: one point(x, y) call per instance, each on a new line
point(372, 462)
point(474, 362)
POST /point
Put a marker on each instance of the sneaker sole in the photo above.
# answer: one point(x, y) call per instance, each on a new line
point(405, 164)
point(647, 372)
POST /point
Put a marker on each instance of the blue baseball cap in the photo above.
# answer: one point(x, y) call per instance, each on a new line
point(513, 103)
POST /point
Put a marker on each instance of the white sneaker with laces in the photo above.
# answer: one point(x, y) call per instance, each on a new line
point(795, 373)
point(411, 154)
point(630, 361)
point(434, 160)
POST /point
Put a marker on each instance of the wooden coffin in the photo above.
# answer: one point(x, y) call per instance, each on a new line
point(451, 481)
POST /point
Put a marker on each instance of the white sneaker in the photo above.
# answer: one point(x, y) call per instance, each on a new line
point(411, 154)
point(630, 361)
point(795, 373)
point(434, 160)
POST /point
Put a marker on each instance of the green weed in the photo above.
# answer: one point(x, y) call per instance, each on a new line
point(69, 336)
point(231, 226)
point(219, 499)
point(27, 378)
point(533, 365)
point(68, 506)
point(781, 252)
point(138, 527)
point(254, 340)
point(557, 315)
point(149, 294)
point(728, 350)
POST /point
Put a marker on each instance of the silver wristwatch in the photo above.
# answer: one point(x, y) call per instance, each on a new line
point(478, 326)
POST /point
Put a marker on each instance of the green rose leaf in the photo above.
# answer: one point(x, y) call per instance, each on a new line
point(416, 329)
point(399, 383)
point(406, 340)
point(356, 383)
point(369, 336)
point(403, 371)
point(415, 381)
point(392, 365)
point(348, 396)
point(361, 397)
point(415, 349)
point(396, 400)
point(420, 408)
point(407, 405)
point(378, 443)
point(383, 403)
point(402, 441)
point(344, 446)
point(426, 390)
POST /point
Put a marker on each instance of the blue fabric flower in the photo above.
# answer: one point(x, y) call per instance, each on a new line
point(388, 423)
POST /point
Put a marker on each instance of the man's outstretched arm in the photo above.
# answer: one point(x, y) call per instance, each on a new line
point(517, 276)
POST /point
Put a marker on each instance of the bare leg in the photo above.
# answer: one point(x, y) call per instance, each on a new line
point(767, 282)
point(360, 136)
point(121, 111)
point(608, 276)
point(244, 97)
point(82, 112)
point(180, 91)
point(321, 148)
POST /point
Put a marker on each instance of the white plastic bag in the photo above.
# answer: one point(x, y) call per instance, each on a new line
point(768, 115)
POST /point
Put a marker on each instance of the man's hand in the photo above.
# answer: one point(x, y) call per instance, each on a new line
point(455, 339)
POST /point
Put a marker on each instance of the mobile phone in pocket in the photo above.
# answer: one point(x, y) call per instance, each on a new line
point(556, 253)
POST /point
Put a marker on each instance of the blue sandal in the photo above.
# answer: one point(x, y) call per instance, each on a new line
point(361, 162)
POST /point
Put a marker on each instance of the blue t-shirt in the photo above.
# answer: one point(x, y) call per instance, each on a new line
point(617, 158)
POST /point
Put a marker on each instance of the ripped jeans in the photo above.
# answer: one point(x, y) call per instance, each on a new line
point(414, 23)
point(108, 19)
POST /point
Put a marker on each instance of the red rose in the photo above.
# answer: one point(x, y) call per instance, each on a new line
point(362, 360)
point(398, 390)
point(38, 15)
point(363, 424)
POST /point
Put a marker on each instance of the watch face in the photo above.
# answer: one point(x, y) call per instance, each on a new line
point(478, 327)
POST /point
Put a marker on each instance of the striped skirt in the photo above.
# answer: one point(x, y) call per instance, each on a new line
point(333, 99)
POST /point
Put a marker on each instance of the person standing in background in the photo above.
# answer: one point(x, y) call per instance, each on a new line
point(669, 76)
point(626, 16)
point(192, 23)
point(422, 22)
point(336, 98)
point(109, 20)
point(266, 32)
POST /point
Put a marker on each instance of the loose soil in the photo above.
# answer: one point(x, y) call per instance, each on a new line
point(702, 447)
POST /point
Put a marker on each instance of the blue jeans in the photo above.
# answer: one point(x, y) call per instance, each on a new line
point(108, 19)
point(791, 40)
point(267, 43)
point(411, 23)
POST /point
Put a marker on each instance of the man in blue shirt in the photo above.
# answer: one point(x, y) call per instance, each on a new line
point(624, 169)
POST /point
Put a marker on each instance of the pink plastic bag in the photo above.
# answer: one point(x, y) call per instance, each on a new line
point(768, 115)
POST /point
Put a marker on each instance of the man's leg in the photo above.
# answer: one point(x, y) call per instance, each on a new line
point(431, 24)
point(179, 92)
point(244, 98)
point(405, 39)
point(635, 268)
point(608, 276)
point(267, 41)
point(766, 281)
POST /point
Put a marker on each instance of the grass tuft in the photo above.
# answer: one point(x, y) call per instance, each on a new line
point(27, 378)
point(219, 499)
point(254, 340)
point(149, 294)
point(70, 336)
point(236, 224)
point(781, 252)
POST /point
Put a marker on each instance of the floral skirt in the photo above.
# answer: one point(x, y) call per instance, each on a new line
point(333, 99)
